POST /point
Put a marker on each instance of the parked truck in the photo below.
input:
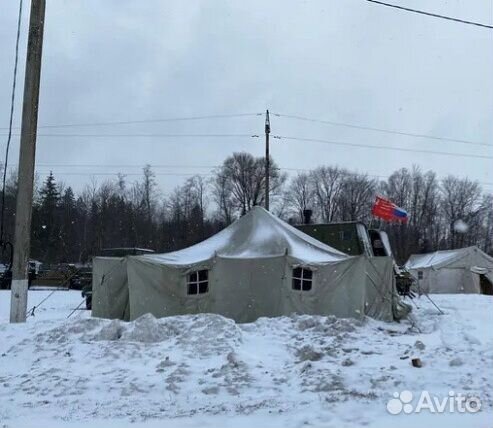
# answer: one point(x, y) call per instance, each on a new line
point(354, 238)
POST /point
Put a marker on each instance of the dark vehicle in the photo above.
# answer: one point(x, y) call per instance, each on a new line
point(5, 279)
point(122, 252)
point(354, 238)
point(58, 275)
point(81, 278)
point(6, 276)
point(381, 247)
point(349, 237)
point(111, 252)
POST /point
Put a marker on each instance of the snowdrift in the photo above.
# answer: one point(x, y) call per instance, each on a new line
point(205, 369)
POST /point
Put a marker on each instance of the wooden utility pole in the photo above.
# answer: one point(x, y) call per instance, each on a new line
point(267, 160)
point(23, 212)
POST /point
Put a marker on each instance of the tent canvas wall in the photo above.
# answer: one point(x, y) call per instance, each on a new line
point(465, 270)
point(258, 266)
point(110, 288)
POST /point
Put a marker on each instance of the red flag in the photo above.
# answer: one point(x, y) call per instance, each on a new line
point(388, 211)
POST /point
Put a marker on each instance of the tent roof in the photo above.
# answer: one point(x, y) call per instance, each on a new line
point(440, 259)
point(257, 234)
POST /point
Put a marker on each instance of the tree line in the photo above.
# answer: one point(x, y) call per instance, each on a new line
point(444, 213)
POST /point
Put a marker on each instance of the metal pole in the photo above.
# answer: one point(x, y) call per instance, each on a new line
point(267, 160)
point(18, 301)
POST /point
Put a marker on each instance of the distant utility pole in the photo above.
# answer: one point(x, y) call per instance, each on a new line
point(23, 212)
point(267, 159)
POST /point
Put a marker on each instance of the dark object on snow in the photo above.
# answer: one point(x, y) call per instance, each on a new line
point(416, 362)
point(87, 294)
point(5, 279)
point(403, 282)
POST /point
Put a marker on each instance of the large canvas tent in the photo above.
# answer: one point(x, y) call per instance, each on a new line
point(257, 266)
point(466, 270)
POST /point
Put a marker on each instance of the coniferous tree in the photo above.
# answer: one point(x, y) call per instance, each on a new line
point(49, 232)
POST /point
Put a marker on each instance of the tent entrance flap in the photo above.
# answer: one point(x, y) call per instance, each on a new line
point(486, 285)
point(110, 297)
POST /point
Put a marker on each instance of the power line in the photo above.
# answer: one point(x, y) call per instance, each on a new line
point(387, 131)
point(11, 117)
point(303, 118)
point(371, 146)
point(257, 136)
point(173, 166)
point(146, 135)
point(124, 165)
point(434, 15)
point(130, 122)
point(90, 174)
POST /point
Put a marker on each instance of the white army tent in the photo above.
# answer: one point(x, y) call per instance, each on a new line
point(466, 270)
point(258, 266)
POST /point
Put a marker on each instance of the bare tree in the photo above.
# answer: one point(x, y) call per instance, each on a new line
point(148, 188)
point(399, 187)
point(356, 197)
point(461, 202)
point(221, 192)
point(327, 184)
point(300, 195)
point(244, 177)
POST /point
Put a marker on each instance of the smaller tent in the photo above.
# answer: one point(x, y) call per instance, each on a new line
point(465, 270)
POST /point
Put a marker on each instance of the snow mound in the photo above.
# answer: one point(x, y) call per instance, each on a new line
point(329, 325)
point(305, 370)
point(146, 329)
point(200, 332)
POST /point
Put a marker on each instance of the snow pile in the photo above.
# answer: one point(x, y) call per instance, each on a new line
point(205, 370)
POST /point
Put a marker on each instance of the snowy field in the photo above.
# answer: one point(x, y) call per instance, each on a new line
point(207, 371)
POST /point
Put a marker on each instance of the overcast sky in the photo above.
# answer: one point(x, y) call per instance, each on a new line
point(338, 60)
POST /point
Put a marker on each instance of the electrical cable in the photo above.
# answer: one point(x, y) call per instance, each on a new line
point(434, 15)
point(147, 135)
point(387, 131)
point(4, 244)
point(372, 146)
point(131, 122)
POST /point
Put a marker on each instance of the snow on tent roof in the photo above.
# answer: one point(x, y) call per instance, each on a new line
point(440, 259)
point(257, 234)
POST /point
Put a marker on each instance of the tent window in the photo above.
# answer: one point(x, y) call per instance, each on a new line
point(420, 274)
point(198, 282)
point(302, 279)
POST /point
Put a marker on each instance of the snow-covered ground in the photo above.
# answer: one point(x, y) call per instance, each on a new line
point(207, 371)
